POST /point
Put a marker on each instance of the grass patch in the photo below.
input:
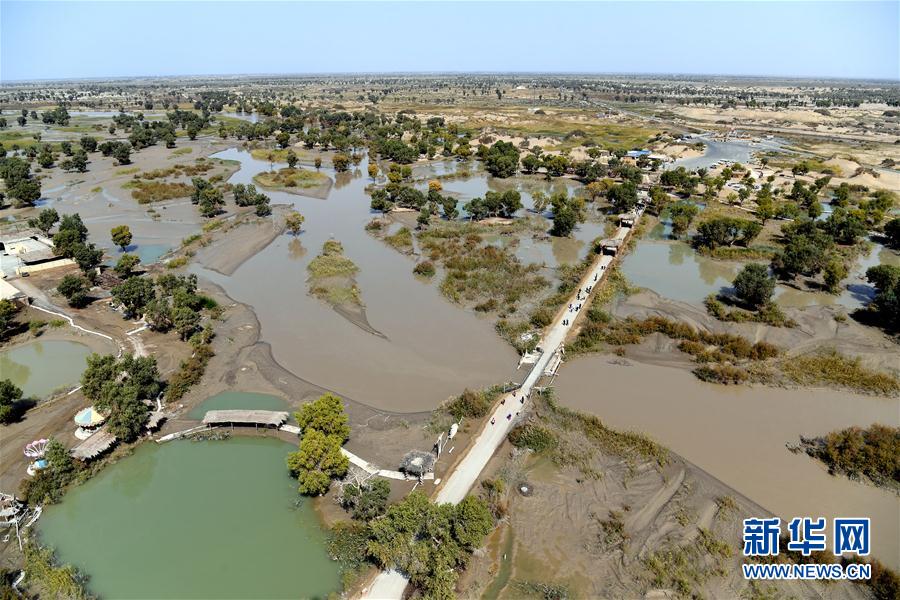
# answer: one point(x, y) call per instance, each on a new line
point(570, 438)
point(872, 453)
point(271, 155)
point(686, 568)
point(128, 171)
point(181, 151)
point(830, 368)
point(331, 276)
point(146, 192)
point(425, 269)
point(770, 314)
point(177, 263)
point(739, 252)
point(290, 178)
point(182, 170)
point(402, 240)
point(478, 272)
point(473, 404)
point(96, 190)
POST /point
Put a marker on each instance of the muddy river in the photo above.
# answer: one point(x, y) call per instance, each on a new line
point(738, 435)
point(431, 349)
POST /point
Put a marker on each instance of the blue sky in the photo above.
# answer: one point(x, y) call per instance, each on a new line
point(40, 40)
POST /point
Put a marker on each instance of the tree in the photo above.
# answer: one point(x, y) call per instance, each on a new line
point(133, 294)
point(211, 201)
point(74, 288)
point(341, 162)
point(88, 258)
point(186, 321)
point(126, 414)
point(45, 157)
point(429, 542)
point(682, 215)
point(158, 314)
point(100, 369)
point(318, 162)
point(886, 279)
point(125, 266)
point(292, 159)
point(892, 232)
point(317, 461)
point(806, 250)
point(373, 171)
point(122, 154)
point(726, 231)
point(540, 201)
point(366, 501)
point(88, 143)
point(844, 226)
point(79, 162)
point(121, 236)
point(623, 196)
point(567, 213)
point(556, 165)
point(20, 185)
point(294, 222)
point(9, 395)
point(834, 271)
point(501, 159)
point(659, 199)
point(754, 286)
point(326, 414)
point(531, 163)
point(45, 220)
point(8, 310)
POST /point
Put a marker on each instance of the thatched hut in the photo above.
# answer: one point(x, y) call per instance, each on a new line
point(417, 463)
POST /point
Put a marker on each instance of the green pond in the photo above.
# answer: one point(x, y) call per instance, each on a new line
point(194, 520)
point(238, 400)
point(40, 368)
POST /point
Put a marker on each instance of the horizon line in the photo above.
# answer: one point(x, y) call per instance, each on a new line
point(312, 74)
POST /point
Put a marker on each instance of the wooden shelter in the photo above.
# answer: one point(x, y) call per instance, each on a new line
point(94, 446)
point(266, 418)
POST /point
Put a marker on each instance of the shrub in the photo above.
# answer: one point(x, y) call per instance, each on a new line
point(726, 374)
point(425, 268)
point(533, 436)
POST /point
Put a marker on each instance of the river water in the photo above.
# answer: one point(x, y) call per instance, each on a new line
point(42, 367)
point(432, 349)
point(675, 270)
point(738, 434)
point(194, 520)
point(732, 150)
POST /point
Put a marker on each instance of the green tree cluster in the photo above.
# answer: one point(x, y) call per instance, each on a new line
point(247, 195)
point(428, 542)
point(324, 429)
point(494, 204)
point(500, 159)
point(568, 212)
point(886, 279)
point(754, 285)
point(21, 186)
point(118, 388)
point(10, 394)
point(726, 231)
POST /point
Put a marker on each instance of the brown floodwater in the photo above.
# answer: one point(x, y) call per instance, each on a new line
point(738, 434)
point(433, 349)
